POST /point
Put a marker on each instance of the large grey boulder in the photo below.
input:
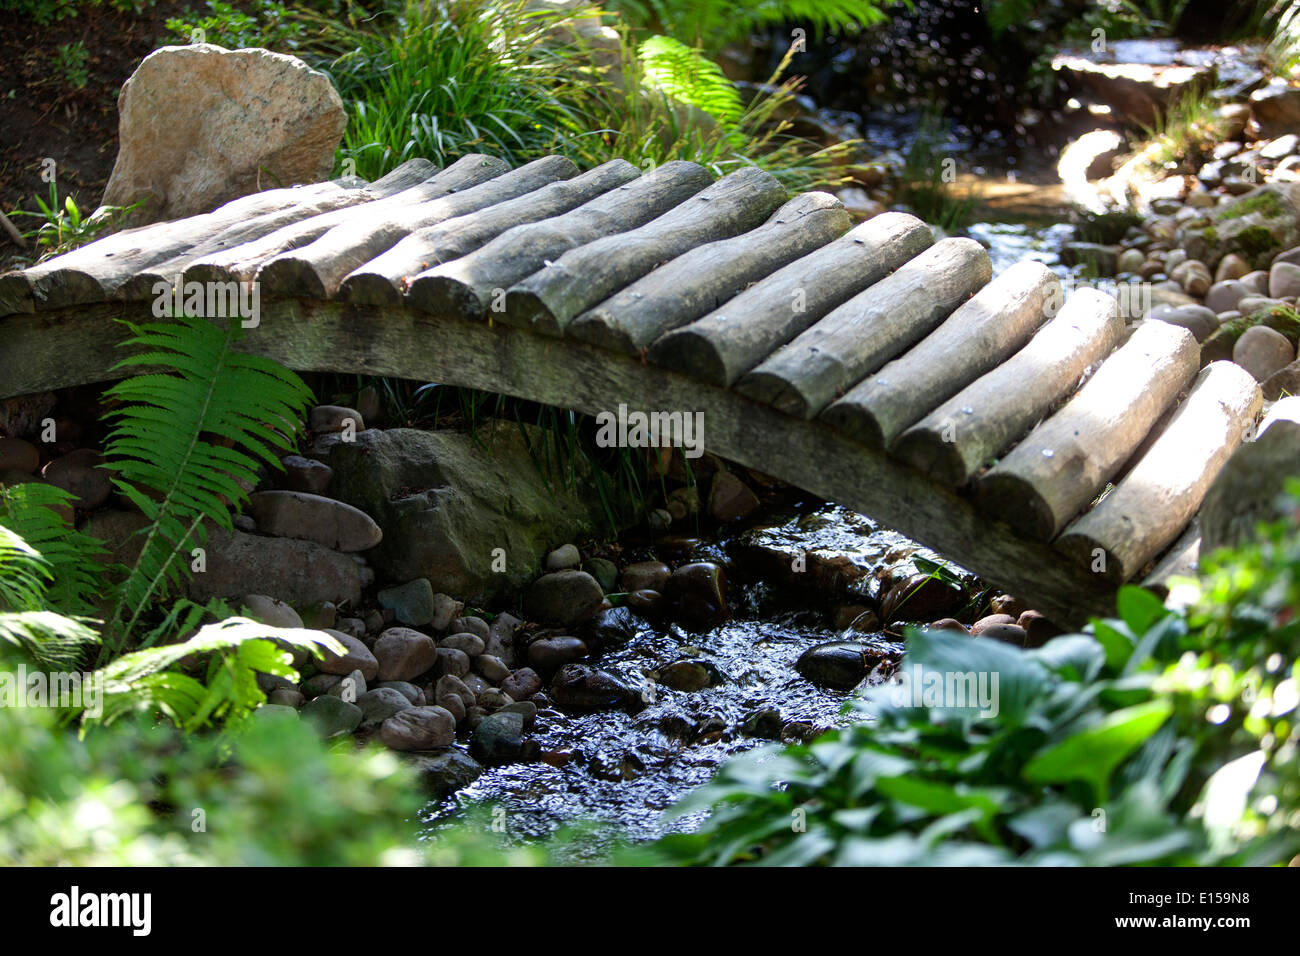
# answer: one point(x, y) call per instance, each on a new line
point(201, 125)
point(297, 572)
point(446, 502)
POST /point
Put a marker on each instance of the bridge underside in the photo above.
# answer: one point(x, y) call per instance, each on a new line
point(80, 346)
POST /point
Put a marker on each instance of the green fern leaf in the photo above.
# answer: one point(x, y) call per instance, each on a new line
point(687, 75)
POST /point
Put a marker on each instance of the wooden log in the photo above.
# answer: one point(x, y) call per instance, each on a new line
point(327, 335)
point(1066, 461)
point(1148, 509)
point(731, 340)
point(242, 262)
point(1180, 561)
point(961, 435)
point(973, 340)
point(96, 272)
point(317, 269)
point(382, 281)
point(468, 286)
point(704, 278)
point(551, 298)
point(864, 333)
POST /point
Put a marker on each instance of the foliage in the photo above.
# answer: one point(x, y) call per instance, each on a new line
point(70, 60)
point(712, 24)
point(187, 442)
point(37, 513)
point(925, 188)
point(50, 11)
point(62, 227)
point(1160, 738)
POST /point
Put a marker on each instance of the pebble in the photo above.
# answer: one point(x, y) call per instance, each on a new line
point(688, 675)
point(404, 654)
point(521, 684)
point(356, 656)
point(332, 716)
point(1007, 633)
point(730, 499)
point(445, 610)
point(920, 598)
point(306, 474)
point(350, 687)
point(442, 774)
point(842, 665)
point(19, 455)
point(419, 728)
point(269, 610)
point(1231, 266)
point(604, 571)
point(646, 602)
point(645, 576)
point(471, 644)
point(471, 625)
point(1261, 351)
point(986, 622)
point(492, 668)
point(296, 514)
point(453, 661)
point(1223, 296)
point(380, 703)
point(286, 696)
point(1197, 319)
point(698, 592)
point(498, 738)
point(564, 558)
point(551, 653)
point(406, 689)
point(327, 419)
point(580, 687)
point(1283, 280)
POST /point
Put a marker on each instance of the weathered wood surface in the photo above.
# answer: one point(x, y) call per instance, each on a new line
point(973, 340)
point(857, 338)
point(468, 285)
point(98, 271)
point(706, 277)
point(550, 298)
point(1182, 560)
point(956, 439)
point(316, 270)
point(382, 281)
point(1066, 461)
point(331, 336)
point(1145, 511)
point(242, 262)
point(731, 340)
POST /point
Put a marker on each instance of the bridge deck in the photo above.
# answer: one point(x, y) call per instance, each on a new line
point(1021, 433)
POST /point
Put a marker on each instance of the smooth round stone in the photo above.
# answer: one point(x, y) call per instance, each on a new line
point(269, 610)
point(1231, 266)
point(1007, 633)
point(699, 593)
point(471, 644)
point(521, 684)
point(1197, 319)
point(552, 653)
point(19, 455)
point(471, 625)
point(406, 689)
point(645, 576)
point(1283, 280)
point(842, 665)
point(1262, 351)
point(453, 661)
point(1256, 282)
point(286, 697)
point(332, 716)
point(356, 656)
point(306, 474)
point(1223, 296)
point(296, 514)
point(564, 558)
point(327, 419)
point(350, 687)
point(646, 602)
point(604, 571)
point(689, 675)
point(411, 603)
point(948, 624)
point(419, 728)
point(78, 472)
point(492, 668)
point(379, 704)
point(404, 654)
point(991, 620)
point(563, 597)
point(498, 738)
point(1130, 260)
point(579, 687)
point(1251, 304)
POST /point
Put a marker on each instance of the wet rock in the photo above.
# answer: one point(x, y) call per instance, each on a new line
point(564, 558)
point(471, 644)
point(920, 598)
point(443, 773)
point(604, 571)
point(580, 687)
point(645, 576)
point(493, 668)
point(563, 597)
point(689, 675)
point(78, 473)
point(647, 603)
point(1038, 629)
point(18, 455)
point(551, 653)
point(493, 699)
point(403, 654)
point(1006, 604)
point(411, 603)
point(296, 514)
point(1261, 351)
point(419, 728)
point(379, 704)
point(698, 592)
point(306, 474)
point(764, 724)
point(449, 686)
point(521, 684)
point(610, 627)
point(843, 665)
point(730, 499)
point(948, 624)
point(298, 572)
point(498, 738)
point(356, 657)
point(332, 716)
point(452, 661)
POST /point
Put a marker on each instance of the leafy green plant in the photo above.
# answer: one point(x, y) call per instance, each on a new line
point(713, 24)
point(70, 59)
point(63, 228)
point(186, 444)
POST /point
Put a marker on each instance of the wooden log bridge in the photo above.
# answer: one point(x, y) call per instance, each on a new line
point(1020, 433)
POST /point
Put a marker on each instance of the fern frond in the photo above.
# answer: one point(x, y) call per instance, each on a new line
point(35, 512)
point(146, 680)
point(52, 640)
point(687, 75)
point(24, 573)
point(160, 443)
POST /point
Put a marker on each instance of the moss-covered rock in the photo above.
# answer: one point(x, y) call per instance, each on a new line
point(1254, 226)
point(1218, 347)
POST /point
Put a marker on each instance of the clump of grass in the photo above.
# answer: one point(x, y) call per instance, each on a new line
point(924, 188)
point(1186, 132)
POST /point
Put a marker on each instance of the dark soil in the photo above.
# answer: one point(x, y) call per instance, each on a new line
point(43, 114)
